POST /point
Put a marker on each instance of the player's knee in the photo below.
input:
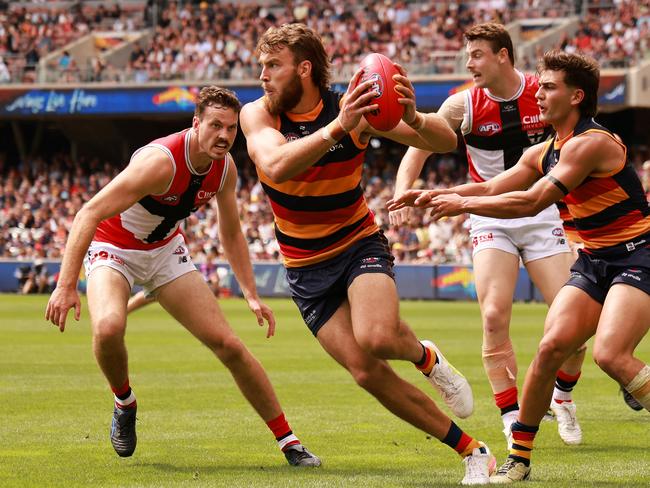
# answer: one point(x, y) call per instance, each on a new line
point(495, 320)
point(608, 360)
point(550, 354)
point(377, 344)
point(108, 329)
point(228, 348)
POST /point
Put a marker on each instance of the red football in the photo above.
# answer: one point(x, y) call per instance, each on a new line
point(381, 69)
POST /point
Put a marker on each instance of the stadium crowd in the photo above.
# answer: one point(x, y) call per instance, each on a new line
point(208, 40)
point(39, 199)
point(198, 40)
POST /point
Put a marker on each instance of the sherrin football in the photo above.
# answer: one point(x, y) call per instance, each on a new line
point(380, 69)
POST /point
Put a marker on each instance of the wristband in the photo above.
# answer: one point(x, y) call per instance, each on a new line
point(327, 136)
point(333, 131)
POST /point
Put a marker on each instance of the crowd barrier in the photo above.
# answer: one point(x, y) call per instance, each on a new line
point(414, 281)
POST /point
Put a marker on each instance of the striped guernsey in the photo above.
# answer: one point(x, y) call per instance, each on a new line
point(322, 211)
point(609, 210)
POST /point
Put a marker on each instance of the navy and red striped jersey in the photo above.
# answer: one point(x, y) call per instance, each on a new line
point(609, 210)
point(322, 211)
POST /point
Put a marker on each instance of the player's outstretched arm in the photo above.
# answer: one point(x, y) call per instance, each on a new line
point(579, 157)
point(150, 171)
point(409, 169)
point(236, 249)
point(520, 177)
point(279, 159)
point(452, 111)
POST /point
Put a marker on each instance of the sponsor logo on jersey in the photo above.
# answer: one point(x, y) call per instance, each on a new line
point(558, 232)
point(179, 250)
point(205, 195)
point(489, 128)
point(170, 198)
point(631, 246)
point(335, 147)
point(291, 136)
point(530, 119)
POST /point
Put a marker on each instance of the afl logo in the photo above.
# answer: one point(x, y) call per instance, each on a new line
point(377, 84)
point(489, 128)
point(170, 198)
point(291, 136)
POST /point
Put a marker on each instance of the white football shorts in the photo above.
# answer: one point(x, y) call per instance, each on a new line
point(530, 238)
point(151, 269)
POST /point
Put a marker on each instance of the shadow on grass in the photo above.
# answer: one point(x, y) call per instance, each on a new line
point(324, 474)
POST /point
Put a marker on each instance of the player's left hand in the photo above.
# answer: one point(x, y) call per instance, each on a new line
point(263, 312)
point(447, 205)
point(405, 88)
point(407, 199)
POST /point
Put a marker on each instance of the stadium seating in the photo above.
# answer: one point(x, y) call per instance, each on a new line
point(133, 40)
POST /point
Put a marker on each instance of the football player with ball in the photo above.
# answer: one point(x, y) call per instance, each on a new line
point(308, 144)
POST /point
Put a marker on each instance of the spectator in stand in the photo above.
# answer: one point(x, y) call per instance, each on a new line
point(34, 279)
point(5, 76)
point(645, 177)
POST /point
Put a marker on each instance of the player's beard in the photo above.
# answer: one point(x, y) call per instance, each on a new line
point(287, 98)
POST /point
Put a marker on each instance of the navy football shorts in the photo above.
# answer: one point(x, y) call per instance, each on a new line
point(595, 275)
point(321, 288)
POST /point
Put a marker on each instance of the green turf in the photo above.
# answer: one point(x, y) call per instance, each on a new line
point(195, 429)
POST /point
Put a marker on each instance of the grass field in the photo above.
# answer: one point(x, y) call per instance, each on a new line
point(195, 429)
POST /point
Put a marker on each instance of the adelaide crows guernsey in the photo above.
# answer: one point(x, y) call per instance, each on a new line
point(609, 210)
point(322, 211)
point(154, 220)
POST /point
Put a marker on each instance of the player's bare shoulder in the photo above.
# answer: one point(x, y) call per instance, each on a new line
point(255, 115)
point(152, 165)
point(597, 148)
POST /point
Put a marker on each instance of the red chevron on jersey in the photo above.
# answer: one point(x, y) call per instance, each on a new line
point(499, 131)
point(155, 220)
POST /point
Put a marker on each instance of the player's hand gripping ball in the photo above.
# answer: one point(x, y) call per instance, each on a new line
point(380, 69)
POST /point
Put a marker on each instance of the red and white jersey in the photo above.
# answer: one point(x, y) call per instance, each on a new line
point(498, 131)
point(155, 220)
